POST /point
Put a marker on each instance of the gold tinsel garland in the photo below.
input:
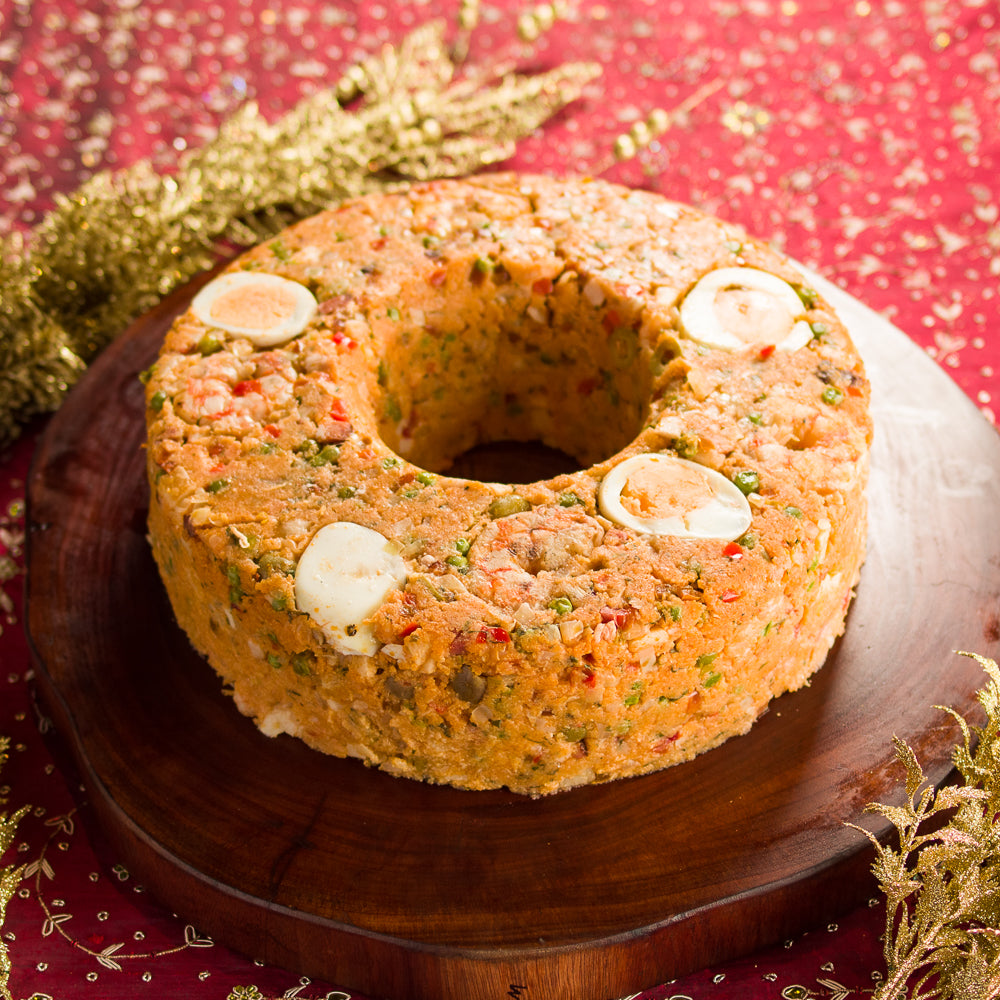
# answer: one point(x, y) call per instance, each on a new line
point(115, 247)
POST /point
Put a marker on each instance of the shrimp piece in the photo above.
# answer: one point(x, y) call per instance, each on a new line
point(236, 395)
point(205, 398)
point(322, 409)
point(517, 558)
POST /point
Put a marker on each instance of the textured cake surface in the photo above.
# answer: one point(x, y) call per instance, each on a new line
point(528, 635)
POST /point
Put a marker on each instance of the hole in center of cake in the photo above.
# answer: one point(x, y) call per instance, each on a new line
point(529, 379)
point(512, 462)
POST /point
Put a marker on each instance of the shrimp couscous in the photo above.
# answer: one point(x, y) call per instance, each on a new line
point(606, 622)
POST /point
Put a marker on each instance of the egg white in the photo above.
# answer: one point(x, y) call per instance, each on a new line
point(342, 578)
point(701, 321)
point(302, 314)
point(726, 515)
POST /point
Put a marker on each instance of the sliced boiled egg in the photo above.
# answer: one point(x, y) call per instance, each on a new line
point(660, 494)
point(264, 308)
point(733, 307)
point(342, 578)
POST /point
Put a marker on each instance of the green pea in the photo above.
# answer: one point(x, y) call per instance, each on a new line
point(327, 455)
point(209, 344)
point(747, 482)
point(809, 296)
point(561, 605)
point(832, 396)
point(705, 660)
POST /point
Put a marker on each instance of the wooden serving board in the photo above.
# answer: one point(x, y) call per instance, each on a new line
point(414, 892)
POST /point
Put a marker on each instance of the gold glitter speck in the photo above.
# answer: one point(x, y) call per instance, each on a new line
point(744, 119)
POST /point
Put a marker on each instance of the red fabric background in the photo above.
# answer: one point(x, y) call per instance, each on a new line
point(862, 137)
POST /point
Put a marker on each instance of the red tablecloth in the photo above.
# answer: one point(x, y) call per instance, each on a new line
point(863, 137)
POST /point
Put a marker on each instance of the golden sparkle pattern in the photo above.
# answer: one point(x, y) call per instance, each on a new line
point(885, 173)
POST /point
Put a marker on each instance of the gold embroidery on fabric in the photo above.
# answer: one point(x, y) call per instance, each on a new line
point(111, 956)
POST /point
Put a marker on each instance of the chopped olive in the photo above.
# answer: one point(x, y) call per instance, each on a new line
point(302, 663)
point(468, 686)
point(271, 563)
point(505, 506)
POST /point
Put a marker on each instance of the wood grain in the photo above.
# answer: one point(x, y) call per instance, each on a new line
point(408, 891)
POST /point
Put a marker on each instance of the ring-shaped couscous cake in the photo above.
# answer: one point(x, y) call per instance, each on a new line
point(608, 622)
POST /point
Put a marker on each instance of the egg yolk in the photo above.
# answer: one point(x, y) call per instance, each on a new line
point(752, 315)
point(665, 492)
point(254, 307)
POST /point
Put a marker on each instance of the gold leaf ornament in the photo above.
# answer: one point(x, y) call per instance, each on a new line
point(942, 882)
point(111, 250)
